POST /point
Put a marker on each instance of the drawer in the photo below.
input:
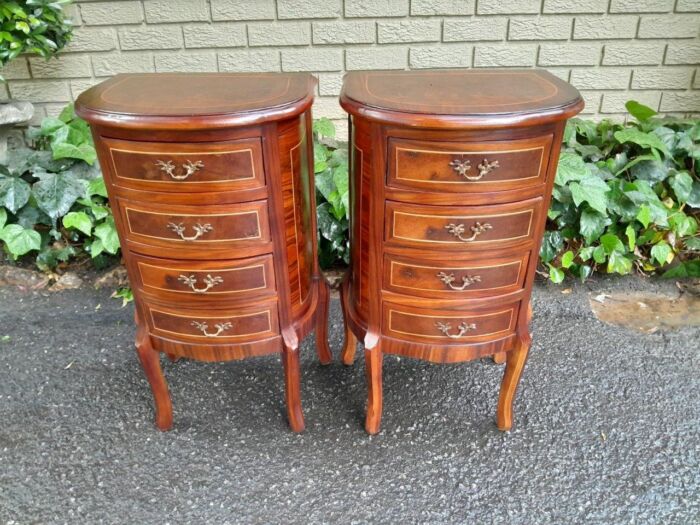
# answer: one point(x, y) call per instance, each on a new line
point(205, 281)
point(468, 166)
point(488, 274)
point(442, 326)
point(196, 227)
point(239, 325)
point(459, 227)
point(187, 167)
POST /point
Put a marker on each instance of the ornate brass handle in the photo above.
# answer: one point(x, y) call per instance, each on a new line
point(463, 329)
point(191, 281)
point(189, 167)
point(200, 229)
point(458, 229)
point(203, 327)
point(463, 166)
point(466, 280)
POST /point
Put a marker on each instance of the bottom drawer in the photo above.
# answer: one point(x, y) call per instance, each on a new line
point(239, 325)
point(441, 326)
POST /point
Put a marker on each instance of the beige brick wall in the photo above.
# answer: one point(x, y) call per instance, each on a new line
point(612, 50)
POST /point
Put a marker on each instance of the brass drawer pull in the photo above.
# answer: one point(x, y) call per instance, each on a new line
point(463, 329)
point(189, 167)
point(200, 229)
point(458, 229)
point(191, 281)
point(463, 166)
point(466, 280)
point(203, 327)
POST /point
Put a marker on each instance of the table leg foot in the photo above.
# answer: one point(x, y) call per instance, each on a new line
point(324, 352)
point(373, 364)
point(150, 362)
point(290, 361)
point(515, 363)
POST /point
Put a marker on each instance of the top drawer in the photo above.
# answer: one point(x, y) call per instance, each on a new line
point(468, 166)
point(188, 167)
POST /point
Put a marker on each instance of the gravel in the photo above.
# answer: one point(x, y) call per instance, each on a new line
point(607, 427)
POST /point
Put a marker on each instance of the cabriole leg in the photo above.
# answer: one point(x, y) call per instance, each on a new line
point(347, 356)
point(373, 369)
point(150, 362)
point(515, 363)
point(324, 352)
point(290, 361)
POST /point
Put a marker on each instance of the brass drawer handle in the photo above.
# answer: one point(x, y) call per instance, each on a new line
point(189, 167)
point(203, 327)
point(191, 281)
point(466, 280)
point(200, 229)
point(463, 329)
point(458, 229)
point(463, 166)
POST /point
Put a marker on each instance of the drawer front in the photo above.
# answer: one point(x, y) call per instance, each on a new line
point(238, 325)
point(204, 280)
point(187, 167)
point(437, 326)
point(490, 274)
point(463, 228)
point(191, 226)
point(467, 166)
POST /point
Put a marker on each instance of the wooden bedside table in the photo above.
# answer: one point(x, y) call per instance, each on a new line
point(210, 177)
point(451, 174)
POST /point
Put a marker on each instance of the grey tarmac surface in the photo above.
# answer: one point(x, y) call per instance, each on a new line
point(607, 427)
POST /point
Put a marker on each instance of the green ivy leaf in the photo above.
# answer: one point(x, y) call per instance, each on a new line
point(661, 252)
point(639, 111)
point(320, 158)
point(618, 263)
point(652, 170)
point(55, 193)
point(692, 243)
point(592, 224)
point(684, 270)
point(551, 244)
point(567, 259)
point(14, 193)
point(641, 138)
point(586, 253)
point(611, 243)
point(107, 233)
point(3, 217)
point(97, 187)
point(694, 197)
point(79, 220)
point(682, 184)
point(556, 275)
point(83, 151)
point(20, 241)
point(599, 255)
point(571, 168)
point(631, 237)
point(591, 190)
point(644, 215)
point(324, 127)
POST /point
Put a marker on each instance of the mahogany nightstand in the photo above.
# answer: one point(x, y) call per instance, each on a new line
point(451, 174)
point(210, 177)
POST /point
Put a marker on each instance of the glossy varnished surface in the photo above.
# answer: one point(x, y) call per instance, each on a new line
point(459, 98)
point(451, 174)
point(211, 181)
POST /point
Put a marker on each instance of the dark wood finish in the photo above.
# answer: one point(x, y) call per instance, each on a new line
point(451, 173)
point(467, 166)
point(211, 180)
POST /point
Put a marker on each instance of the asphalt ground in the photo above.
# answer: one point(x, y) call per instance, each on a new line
point(607, 427)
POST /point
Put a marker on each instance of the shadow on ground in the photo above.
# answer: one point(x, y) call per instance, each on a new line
point(607, 427)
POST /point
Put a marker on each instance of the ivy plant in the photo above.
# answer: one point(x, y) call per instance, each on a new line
point(32, 26)
point(53, 201)
point(626, 197)
point(333, 194)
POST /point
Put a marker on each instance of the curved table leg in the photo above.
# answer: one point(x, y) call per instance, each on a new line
point(290, 361)
point(515, 363)
point(347, 355)
point(373, 369)
point(324, 352)
point(150, 362)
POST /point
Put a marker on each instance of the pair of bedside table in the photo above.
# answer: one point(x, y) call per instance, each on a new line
point(210, 177)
